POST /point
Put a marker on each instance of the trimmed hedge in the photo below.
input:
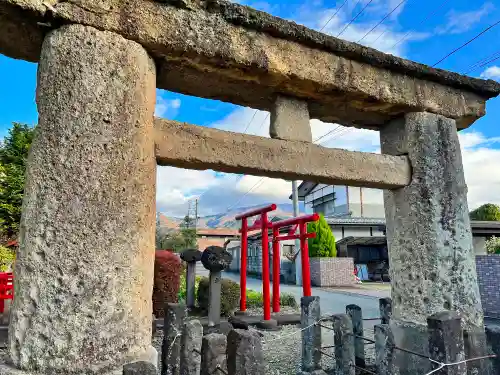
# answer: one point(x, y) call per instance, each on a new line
point(255, 299)
point(230, 295)
point(168, 269)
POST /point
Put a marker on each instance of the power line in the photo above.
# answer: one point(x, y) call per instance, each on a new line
point(259, 182)
point(381, 21)
point(248, 125)
point(334, 14)
point(466, 43)
point(354, 18)
point(429, 15)
point(484, 61)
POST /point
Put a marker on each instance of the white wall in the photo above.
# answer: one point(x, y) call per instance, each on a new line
point(479, 244)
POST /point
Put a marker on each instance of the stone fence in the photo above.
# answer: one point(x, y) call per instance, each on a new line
point(488, 273)
point(332, 271)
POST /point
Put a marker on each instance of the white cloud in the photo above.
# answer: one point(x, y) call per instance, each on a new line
point(165, 107)
point(460, 22)
point(492, 72)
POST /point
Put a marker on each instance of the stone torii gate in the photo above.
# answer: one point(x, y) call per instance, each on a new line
point(83, 278)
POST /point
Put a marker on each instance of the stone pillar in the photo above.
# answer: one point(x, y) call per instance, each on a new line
point(244, 353)
point(311, 334)
point(213, 354)
point(428, 230)
point(356, 315)
point(140, 368)
point(344, 345)
point(192, 333)
point(384, 349)
point(385, 307)
point(175, 317)
point(84, 273)
point(446, 343)
point(191, 256)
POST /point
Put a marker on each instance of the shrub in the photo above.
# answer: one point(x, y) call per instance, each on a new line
point(230, 295)
point(255, 299)
point(168, 269)
point(323, 245)
point(7, 257)
point(493, 245)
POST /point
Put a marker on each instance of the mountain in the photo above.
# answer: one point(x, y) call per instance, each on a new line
point(226, 220)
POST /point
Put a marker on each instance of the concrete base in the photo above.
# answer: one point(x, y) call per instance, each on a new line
point(151, 355)
point(241, 313)
point(268, 325)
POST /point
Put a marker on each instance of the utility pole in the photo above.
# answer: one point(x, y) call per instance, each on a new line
point(298, 262)
point(193, 212)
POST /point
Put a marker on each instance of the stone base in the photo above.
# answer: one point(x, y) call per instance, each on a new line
point(241, 313)
point(151, 355)
point(268, 325)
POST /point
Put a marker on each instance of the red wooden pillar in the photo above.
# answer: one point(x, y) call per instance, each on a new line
point(276, 271)
point(265, 267)
point(304, 252)
point(243, 264)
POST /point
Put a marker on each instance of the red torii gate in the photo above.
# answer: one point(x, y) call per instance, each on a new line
point(264, 225)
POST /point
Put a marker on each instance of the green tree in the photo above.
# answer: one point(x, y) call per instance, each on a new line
point(487, 212)
point(493, 245)
point(13, 158)
point(323, 245)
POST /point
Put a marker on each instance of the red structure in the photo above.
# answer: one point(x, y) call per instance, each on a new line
point(261, 223)
point(301, 222)
point(6, 289)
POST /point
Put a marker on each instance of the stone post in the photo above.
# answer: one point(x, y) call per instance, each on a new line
point(175, 316)
point(213, 353)
point(191, 256)
point(344, 344)
point(311, 334)
point(244, 353)
point(140, 368)
point(215, 259)
point(192, 334)
point(428, 231)
point(446, 343)
point(356, 315)
point(385, 306)
point(493, 335)
point(384, 349)
point(84, 275)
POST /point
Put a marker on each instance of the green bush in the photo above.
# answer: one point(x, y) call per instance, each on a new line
point(255, 299)
point(7, 257)
point(323, 245)
point(230, 295)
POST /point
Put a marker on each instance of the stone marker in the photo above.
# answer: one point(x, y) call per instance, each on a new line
point(384, 349)
point(87, 248)
point(191, 256)
point(290, 120)
point(192, 334)
point(215, 259)
point(213, 354)
point(244, 353)
point(493, 335)
point(446, 343)
point(344, 344)
point(175, 316)
point(311, 334)
point(140, 368)
point(356, 315)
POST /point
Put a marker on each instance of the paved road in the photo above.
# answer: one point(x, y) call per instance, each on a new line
point(331, 302)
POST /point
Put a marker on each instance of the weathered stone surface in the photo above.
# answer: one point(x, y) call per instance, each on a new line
point(203, 48)
point(191, 285)
point(290, 120)
point(446, 343)
point(175, 316)
point(356, 315)
point(344, 344)
point(192, 335)
point(88, 219)
point(197, 147)
point(213, 353)
point(385, 307)
point(244, 353)
point(384, 350)
point(191, 255)
point(311, 334)
point(428, 227)
point(140, 368)
point(216, 259)
point(214, 297)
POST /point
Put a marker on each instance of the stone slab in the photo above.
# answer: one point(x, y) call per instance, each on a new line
point(197, 147)
point(219, 50)
point(290, 120)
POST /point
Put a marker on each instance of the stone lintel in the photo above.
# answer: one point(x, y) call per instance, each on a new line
point(215, 49)
point(196, 147)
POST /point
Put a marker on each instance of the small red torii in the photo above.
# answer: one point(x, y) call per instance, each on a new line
point(262, 223)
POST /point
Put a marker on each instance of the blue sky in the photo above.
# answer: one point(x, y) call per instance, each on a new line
point(430, 38)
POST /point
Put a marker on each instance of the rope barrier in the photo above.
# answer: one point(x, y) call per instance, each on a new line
point(327, 354)
point(368, 319)
point(364, 370)
point(218, 368)
point(443, 365)
point(298, 331)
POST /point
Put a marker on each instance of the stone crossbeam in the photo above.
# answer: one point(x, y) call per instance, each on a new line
point(220, 50)
point(196, 147)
